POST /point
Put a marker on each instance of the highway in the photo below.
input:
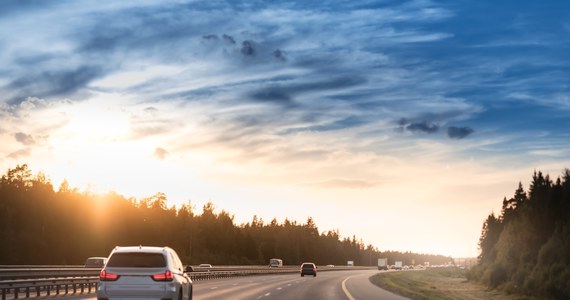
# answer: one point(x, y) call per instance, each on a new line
point(334, 285)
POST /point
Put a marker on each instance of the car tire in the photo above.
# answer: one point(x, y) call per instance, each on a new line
point(302, 275)
point(314, 275)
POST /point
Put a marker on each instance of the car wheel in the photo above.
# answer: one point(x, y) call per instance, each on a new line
point(302, 275)
point(314, 275)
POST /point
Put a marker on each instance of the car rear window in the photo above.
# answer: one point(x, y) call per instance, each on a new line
point(137, 260)
point(308, 266)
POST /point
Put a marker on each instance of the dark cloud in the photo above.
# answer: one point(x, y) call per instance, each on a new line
point(273, 95)
point(247, 48)
point(229, 39)
point(25, 139)
point(285, 93)
point(278, 54)
point(417, 126)
point(210, 37)
point(458, 133)
point(422, 127)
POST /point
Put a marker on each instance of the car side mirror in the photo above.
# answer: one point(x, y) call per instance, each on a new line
point(188, 269)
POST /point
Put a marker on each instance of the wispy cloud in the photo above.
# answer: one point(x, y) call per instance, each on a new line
point(353, 89)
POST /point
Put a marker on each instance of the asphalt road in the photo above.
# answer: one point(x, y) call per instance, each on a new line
point(332, 285)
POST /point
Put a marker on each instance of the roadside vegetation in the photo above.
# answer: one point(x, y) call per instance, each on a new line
point(448, 283)
point(526, 249)
point(39, 225)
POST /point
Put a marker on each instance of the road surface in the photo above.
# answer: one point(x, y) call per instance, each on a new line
point(332, 285)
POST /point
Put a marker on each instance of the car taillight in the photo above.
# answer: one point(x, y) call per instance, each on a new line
point(107, 276)
point(166, 276)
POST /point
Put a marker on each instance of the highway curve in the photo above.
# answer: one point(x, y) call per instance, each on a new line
point(331, 285)
point(341, 285)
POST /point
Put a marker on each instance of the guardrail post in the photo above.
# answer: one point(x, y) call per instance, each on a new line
point(16, 292)
point(38, 291)
point(27, 292)
point(3, 294)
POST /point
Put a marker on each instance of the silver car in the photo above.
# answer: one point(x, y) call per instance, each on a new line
point(144, 273)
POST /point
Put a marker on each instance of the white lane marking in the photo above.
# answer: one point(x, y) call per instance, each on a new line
point(267, 295)
point(214, 287)
point(345, 290)
point(279, 288)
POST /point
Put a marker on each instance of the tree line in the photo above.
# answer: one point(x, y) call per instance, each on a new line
point(39, 225)
point(526, 249)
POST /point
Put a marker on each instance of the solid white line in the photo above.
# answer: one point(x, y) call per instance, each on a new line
point(345, 290)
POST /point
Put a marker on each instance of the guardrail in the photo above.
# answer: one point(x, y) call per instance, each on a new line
point(47, 287)
point(38, 281)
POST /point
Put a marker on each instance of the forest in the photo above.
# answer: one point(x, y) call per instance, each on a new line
point(526, 249)
point(39, 225)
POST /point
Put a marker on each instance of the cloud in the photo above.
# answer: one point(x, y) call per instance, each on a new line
point(54, 82)
point(345, 123)
point(458, 133)
point(229, 39)
point(418, 127)
point(25, 139)
point(210, 37)
point(423, 127)
point(285, 93)
point(278, 54)
point(19, 154)
point(160, 153)
point(247, 48)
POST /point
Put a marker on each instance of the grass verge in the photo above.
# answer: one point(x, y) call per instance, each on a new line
point(437, 284)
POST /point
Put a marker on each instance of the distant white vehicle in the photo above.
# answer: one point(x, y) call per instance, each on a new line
point(382, 264)
point(275, 263)
point(350, 263)
point(398, 265)
point(95, 262)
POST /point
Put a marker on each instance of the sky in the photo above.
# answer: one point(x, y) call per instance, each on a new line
point(403, 123)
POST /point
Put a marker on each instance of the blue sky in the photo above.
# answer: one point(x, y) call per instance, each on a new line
point(264, 106)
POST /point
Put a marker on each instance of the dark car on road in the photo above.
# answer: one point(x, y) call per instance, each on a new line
point(309, 269)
